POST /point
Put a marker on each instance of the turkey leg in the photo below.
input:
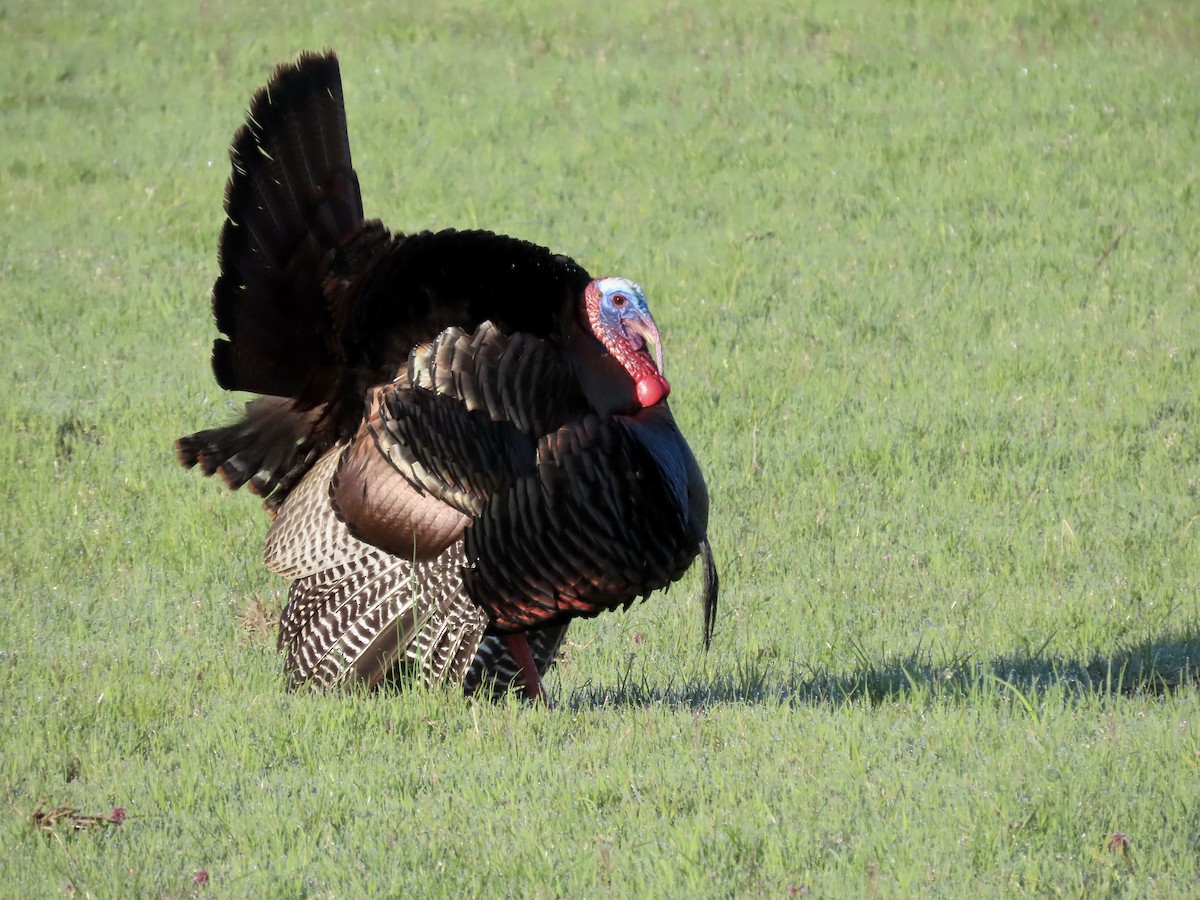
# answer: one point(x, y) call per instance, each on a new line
point(531, 681)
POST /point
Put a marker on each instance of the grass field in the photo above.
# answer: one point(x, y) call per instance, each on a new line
point(928, 286)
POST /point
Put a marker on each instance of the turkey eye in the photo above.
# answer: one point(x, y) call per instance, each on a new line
point(618, 300)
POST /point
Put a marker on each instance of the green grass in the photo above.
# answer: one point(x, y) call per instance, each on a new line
point(950, 424)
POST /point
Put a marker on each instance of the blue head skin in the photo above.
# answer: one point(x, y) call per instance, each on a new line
point(621, 321)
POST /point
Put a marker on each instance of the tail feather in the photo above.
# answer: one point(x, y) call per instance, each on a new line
point(293, 195)
point(293, 208)
point(270, 448)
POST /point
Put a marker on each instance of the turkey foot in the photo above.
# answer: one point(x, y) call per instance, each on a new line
point(531, 681)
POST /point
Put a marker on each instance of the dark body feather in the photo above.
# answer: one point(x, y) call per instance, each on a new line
point(450, 451)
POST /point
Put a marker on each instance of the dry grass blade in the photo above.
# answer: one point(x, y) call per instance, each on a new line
point(1112, 245)
point(46, 819)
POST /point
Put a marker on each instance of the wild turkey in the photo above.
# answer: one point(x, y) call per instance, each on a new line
point(463, 436)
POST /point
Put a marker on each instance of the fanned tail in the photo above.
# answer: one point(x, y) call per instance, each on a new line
point(291, 199)
point(294, 211)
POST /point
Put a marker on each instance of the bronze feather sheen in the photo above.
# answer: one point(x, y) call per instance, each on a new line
point(456, 463)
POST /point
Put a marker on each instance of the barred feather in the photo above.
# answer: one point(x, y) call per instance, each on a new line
point(355, 610)
point(359, 621)
point(455, 455)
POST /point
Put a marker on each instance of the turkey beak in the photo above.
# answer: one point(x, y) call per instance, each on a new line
point(645, 329)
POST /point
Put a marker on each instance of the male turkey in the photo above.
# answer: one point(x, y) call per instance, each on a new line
point(463, 436)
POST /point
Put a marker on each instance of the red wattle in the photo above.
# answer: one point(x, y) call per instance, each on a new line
point(651, 389)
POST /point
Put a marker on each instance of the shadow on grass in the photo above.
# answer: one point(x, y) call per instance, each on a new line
point(1154, 668)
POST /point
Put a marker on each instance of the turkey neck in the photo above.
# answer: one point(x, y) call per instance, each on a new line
point(607, 386)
